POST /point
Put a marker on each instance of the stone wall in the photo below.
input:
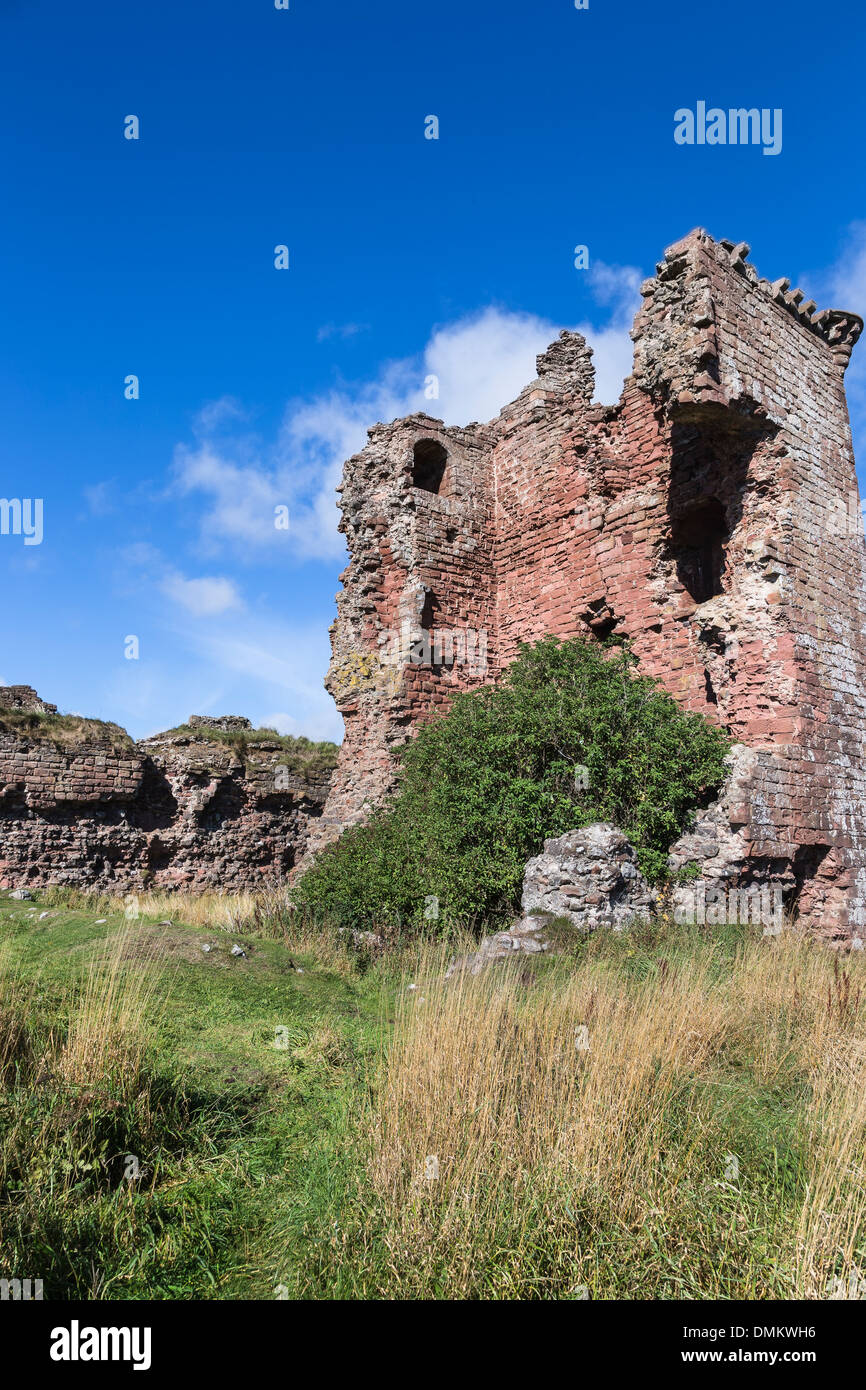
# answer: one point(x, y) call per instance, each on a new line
point(23, 698)
point(178, 811)
point(709, 516)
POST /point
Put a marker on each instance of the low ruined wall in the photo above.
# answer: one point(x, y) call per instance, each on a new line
point(172, 812)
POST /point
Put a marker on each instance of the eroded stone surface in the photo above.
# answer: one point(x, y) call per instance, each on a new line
point(174, 811)
point(526, 937)
point(23, 699)
point(589, 876)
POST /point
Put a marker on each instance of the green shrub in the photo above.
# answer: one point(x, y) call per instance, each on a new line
point(573, 735)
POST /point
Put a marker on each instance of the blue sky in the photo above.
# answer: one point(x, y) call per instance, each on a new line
point(408, 256)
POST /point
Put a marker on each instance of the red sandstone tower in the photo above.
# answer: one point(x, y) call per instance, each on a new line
point(712, 515)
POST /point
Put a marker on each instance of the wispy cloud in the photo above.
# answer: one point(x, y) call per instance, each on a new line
point(203, 596)
point(340, 330)
point(842, 285)
point(100, 498)
point(288, 662)
point(206, 597)
point(845, 280)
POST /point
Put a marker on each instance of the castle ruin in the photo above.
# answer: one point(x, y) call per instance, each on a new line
point(711, 516)
point(83, 806)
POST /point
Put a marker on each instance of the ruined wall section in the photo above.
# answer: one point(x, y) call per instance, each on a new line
point(418, 578)
point(548, 505)
point(214, 816)
point(63, 812)
point(23, 699)
point(171, 812)
point(755, 397)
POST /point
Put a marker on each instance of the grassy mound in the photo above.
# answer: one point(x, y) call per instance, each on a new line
point(65, 730)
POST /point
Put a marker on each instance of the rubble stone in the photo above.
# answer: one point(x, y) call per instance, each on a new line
point(590, 877)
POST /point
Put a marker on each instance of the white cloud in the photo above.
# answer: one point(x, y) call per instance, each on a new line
point(845, 282)
point(217, 413)
point(616, 286)
point(204, 598)
point(99, 498)
point(481, 362)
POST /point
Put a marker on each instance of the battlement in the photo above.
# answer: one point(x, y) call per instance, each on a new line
point(839, 328)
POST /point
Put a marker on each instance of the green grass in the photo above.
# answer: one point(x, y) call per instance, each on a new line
point(280, 1106)
point(233, 1118)
point(65, 730)
point(299, 754)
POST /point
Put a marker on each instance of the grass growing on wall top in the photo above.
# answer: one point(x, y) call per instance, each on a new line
point(297, 753)
point(65, 730)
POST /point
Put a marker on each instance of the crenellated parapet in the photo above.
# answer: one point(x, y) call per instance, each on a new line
point(677, 331)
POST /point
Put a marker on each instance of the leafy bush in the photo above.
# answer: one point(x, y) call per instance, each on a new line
point(572, 735)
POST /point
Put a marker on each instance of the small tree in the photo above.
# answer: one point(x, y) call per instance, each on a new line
point(571, 736)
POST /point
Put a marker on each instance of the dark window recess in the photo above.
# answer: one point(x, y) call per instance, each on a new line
point(699, 537)
point(428, 464)
point(428, 611)
point(806, 866)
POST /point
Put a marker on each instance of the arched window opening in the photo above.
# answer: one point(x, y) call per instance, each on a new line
point(699, 536)
point(428, 464)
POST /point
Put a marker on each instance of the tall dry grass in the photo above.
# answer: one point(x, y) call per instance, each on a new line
point(220, 910)
point(694, 1128)
point(90, 1119)
point(114, 1012)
